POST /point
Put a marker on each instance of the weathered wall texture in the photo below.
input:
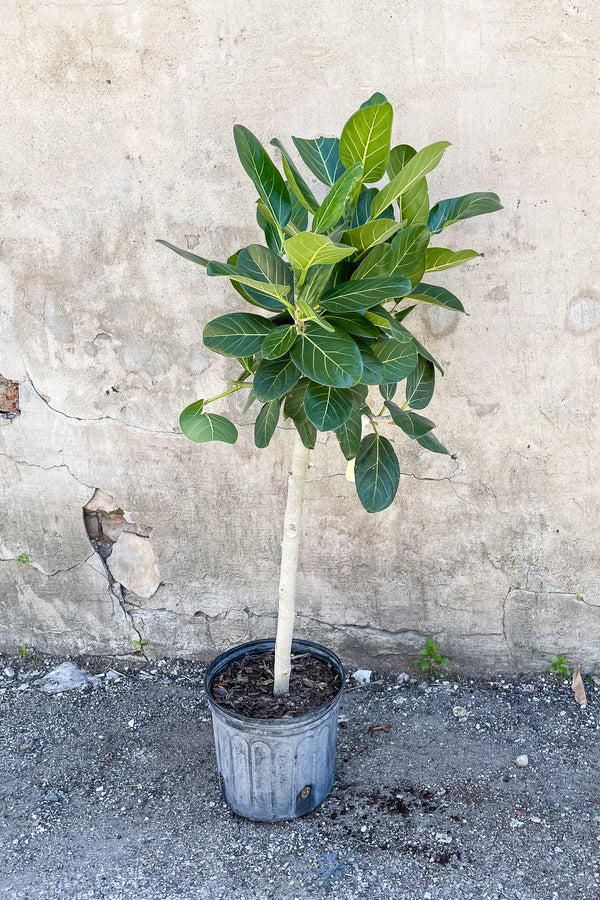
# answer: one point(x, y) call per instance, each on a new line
point(116, 129)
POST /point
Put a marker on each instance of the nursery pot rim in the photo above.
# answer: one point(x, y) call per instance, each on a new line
point(261, 646)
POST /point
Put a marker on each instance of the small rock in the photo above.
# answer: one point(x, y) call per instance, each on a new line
point(66, 677)
point(362, 676)
point(522, 761)
point(9, 672)
point(459, 711)
point(443, 838)
point(403, 678)
point(111, 675)
point(528, 689)
point(52, 798)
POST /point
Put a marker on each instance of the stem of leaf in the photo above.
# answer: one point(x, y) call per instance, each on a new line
point(226, 393)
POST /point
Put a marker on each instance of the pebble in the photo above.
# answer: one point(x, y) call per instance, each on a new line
point(522, 761)
point(66, 677)
point(459, 711)
point(9, 672)
point(362, 676)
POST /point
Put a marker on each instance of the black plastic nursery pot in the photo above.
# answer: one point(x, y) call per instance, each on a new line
point(275, 769)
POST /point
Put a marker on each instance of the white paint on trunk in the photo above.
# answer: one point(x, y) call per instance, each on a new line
point(289, 565)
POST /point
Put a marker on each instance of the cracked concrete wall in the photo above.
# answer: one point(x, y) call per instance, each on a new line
point(116, 130)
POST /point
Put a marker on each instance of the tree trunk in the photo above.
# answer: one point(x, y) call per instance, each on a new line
point(289, 565)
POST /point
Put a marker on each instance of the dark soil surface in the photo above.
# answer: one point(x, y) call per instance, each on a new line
point(246, 686)
point(111, 791)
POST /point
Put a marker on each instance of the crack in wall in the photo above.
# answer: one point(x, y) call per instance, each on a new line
point(65, 415)
point(22, 462)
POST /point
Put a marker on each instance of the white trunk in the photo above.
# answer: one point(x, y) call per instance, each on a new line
point(289, 565)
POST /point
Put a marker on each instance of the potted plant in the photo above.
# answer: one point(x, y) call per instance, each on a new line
point(326, 347)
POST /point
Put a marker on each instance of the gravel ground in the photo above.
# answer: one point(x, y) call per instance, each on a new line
point(110, 791)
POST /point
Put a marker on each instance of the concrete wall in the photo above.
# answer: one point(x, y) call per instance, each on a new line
point(116, 129)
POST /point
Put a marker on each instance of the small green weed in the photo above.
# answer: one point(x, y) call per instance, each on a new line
point(138, 645)
point(559, 666)
point(23, 559)
point(430, 660)
point(23, 650)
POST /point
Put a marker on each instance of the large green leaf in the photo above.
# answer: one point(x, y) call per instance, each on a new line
point(377, 263)
point(274, 378)
point(192, 257)
point(411, 423)
point(446, 212)
point(236, 334)
point(293, 408)
point(439, 258)
point(265, 176)
point(414, 203)
point(377, 473)
point(375, 99)
point(399, 331)
point(295, 179)
point(272, 235)
point(329, 358)
point(200, 427)
point(332, 207)
point(349, 434)
point(430, 442)
point(354, 323)
point(366, 139)
point(409, 253)
point(399, 357)
point(420, 384)
point(278, 341)
point(388, 389)
point(362, 209)
point(366, 236)
point(264, 265)
point(437, 296)
point(326, 407)
point(421, 163)
point(266, 423)
point(306, 249)
point(299, 216)
point(322, 156)
point(352, 296)
point(279, 291)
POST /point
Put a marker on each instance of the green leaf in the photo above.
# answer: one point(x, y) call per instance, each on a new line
point(377, 473)
point(430, 442)
point(266, 267)
point(293, 408)
point(408, 250)
point(332, 207)
point(225, 269)
point(349, 434)
point(447, 212)
point(411, 423)
point(414, 203)
point(420, 384)
point(295, 179)
point(330, 359)
point(352, 296)
point(316, 282)
point(201, 427)
point(366, 236)
point(272, 237)
point(274, 378)
point(309, 313)
point(278, 341)
point(326, 407)
point(306, 249)
point(354, 323)
point(236, 334)
point(322, 156)
point(373, 371)
point(439, 258)
point(401, 332)
point(421, 163)
point(437, 296)
point(358, 395)
point(388, 389)
point(366, 139)
point(266, 178)
point(185, 253)
point(374, 100)
point(376, 264)
point(299, 216)
point(399, 357)
point(266, 423)
point(362, 210)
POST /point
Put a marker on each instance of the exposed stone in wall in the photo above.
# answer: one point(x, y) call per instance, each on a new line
point(9, 398)
point(133, 564)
